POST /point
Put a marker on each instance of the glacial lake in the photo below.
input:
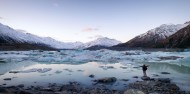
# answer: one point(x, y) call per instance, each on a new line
point(40, 68)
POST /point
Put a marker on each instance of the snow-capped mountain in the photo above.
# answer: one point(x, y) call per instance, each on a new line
point(181, 39)
point(61, 45)
point(11, 35)
point(154, 36)
point(103, 41)
point(20, 36)
point(162, 32)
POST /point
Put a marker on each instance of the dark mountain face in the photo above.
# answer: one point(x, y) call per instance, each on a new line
point(7, 43)
point(11, 39)
point(154, 38)
point(181, 39)
point(6, 40)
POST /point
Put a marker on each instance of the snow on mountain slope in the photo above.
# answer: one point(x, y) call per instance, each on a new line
point(153, 36)
point(21, 36)
point(62, 45)
point(103, 41)
point(163, 31)
point(18, 36)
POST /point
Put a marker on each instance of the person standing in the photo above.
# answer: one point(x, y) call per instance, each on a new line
point(144, 68)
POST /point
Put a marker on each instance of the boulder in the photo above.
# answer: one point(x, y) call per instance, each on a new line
point(145, 78)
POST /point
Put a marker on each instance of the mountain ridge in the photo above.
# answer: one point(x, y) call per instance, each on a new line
point(11, 35)
point(152, 37)
point(181, 39)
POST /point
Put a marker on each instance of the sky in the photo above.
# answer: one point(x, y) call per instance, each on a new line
point(86, 20)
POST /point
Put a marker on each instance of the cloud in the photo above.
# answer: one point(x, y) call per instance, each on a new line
point(1, 17)
point(90, 29)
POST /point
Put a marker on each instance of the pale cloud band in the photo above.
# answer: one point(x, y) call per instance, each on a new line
point(90, 29)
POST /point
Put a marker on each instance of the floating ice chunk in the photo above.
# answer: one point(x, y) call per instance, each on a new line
point(69, 70)
point(44, 70)
point(58, 72)
point(36, 70)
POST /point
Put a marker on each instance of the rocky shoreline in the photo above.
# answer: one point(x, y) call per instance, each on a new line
point(147, 86)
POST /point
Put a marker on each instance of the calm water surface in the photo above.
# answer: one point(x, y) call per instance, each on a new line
point(62, 73)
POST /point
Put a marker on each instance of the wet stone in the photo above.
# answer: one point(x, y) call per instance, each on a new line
point(2, 61)
point(106, 80)
point(165, 73)
point(14, 72)
point(7, 79)
point(164, 80)
point(91, 76)
point(135, 77)
point(145, 78)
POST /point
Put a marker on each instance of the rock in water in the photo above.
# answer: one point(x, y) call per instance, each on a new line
point(106, 80)
point(14, 72)
point(165, 73)
point(135, 77)
point(164, 80)
point(21, 85)
point(145, 78)
point(7, 79)
point(133, 91)
point(91, 76)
